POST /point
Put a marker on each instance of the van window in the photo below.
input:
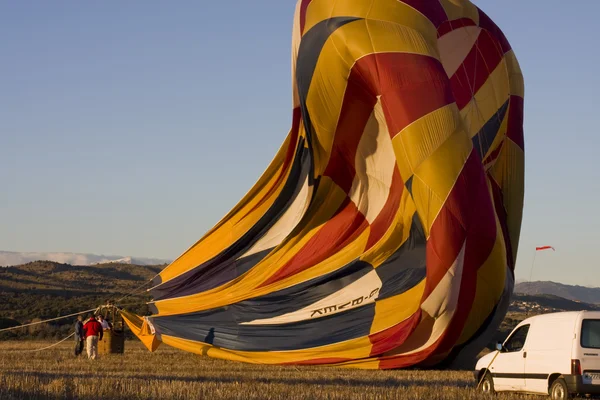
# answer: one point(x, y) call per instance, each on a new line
point(590, 333)
point(516, 341)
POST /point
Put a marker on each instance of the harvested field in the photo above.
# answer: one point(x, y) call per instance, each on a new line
point(172, 374)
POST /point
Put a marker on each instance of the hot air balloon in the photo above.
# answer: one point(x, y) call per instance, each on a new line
point(384, 233)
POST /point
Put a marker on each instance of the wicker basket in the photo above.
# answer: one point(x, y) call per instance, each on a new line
point(113, 340)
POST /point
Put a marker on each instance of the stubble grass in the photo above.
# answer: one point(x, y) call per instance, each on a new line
point(173, 374)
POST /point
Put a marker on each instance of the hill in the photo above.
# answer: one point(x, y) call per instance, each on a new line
point(8, 258)
point(570, 292)
point(544, 303)
point(43, 289)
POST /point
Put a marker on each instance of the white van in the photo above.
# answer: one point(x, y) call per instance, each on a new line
point(556, 354)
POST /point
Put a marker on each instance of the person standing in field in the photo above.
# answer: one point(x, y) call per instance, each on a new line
point(79, 336)
point(105, 324)
point(93, 332)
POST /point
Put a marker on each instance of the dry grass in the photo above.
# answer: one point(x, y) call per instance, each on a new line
point(172, 374)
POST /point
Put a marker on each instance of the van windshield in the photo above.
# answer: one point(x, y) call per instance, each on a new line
point(590, 333)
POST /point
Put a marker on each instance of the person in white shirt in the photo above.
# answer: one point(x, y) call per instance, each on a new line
point(105, 324)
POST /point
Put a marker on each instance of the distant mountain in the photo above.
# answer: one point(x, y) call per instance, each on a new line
point(8, 258)
point(570, 292)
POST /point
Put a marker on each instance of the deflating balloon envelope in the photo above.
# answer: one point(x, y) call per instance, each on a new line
point(385, 231)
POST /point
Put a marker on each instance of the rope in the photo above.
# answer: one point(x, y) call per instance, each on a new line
point(43, 348)
point(487, 370)
point(47, 320)
point(136, 290)
point(61, 317)
point(122, 306)
point(51, 346)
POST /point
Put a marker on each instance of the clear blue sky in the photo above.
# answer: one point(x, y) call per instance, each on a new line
point(132, 127)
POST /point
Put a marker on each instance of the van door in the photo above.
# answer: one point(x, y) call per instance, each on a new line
point(588, 351)
point(548, 350)
point(508, 370)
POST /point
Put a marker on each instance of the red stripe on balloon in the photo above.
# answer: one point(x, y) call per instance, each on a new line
point(468, 217)
point(475, 70)
point(514, 129)
point(303, 8)
point(410, 85)
point(384, 220)
point(503, 218)
point(319, 361)
point(357, 108)
point(394, 336)
point(342, 229)
point(494, 154)
point(473, 198)
point(450, 26)
point(407, 360)
point(486, 23)
point(433, 10)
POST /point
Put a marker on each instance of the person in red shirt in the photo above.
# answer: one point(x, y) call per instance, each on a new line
point(92, 331)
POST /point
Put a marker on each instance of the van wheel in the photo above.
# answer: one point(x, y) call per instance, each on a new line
point(487, 384)
point(559, 390)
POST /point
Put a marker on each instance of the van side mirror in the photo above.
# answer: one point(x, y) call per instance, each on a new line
point(499, 347)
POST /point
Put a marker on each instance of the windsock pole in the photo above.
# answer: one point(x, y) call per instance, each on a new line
point(532, 265)
point(538, 248)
